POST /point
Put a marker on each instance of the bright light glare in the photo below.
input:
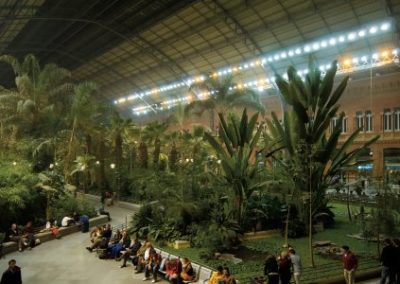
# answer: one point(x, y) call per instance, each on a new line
point(373, 30)
point(361, 33)
point(351, 36)
point(342, 39)
point(385, 26)
point(298, 51)
point(332, 41)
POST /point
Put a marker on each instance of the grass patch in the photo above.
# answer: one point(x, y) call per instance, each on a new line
point(253, 265)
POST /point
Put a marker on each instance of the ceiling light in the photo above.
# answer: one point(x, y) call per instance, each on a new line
point(283, 55)
point(361, 33)
point(355, 60)
point(316, 46)
point(342, 39)
point(351, 36)
point(385, 26)
point(276, 57)
point(332, 41)
point(298, 51)
point(373, 30)
point(307, 48)
point(364, 58)
point(324, 43)
point(395, 52)
point(291, 53)
point(270, 59)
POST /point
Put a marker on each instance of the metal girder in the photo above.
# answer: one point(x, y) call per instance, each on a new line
point(237, 28)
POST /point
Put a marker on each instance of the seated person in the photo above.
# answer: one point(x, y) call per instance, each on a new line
point(217, 276)
point(95, 233)
point(101, 211)
point(107, 232)
point(13, 235)
point(141, 257)
point(152, 265)
point(53, 228)
point(28, 235)
point(173, 269)
point(115, 238)
point(121, 245)
point(96, 238)
point(132, 250)
point(187, 273)
point(67, 221)
point(84, 221)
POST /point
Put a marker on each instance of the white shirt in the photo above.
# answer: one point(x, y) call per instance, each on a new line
point(147, 254)
point(64, 221)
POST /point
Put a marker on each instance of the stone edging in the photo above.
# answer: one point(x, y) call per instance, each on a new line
point(47, 236)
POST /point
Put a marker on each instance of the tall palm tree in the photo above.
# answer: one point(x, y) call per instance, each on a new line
point(313, 158)
point(82, 113)
point(222, 97)
point(153, 133)
point(38, 92)
point(119, 128)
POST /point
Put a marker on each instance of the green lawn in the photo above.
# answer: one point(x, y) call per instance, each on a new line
point(325, 267)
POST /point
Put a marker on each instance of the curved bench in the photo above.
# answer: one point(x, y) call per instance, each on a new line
point(47, 236)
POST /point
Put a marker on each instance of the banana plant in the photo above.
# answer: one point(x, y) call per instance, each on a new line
point(312, 157)
point(235, 147)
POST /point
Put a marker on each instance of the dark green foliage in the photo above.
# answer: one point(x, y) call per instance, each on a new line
point(263, 213)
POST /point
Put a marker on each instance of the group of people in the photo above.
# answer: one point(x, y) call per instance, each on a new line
point(25, 238)
point(145, 258)
point(282, 267)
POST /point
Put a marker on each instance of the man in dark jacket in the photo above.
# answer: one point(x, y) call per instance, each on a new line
point(388, 262)
point(12, 275)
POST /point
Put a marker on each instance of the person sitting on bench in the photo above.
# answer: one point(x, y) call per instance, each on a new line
point(13, 235)
point(132, 250)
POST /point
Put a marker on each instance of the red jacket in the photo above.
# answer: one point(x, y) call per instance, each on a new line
point(349, 261)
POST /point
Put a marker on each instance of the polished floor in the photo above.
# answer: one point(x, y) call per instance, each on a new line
point(66, 261)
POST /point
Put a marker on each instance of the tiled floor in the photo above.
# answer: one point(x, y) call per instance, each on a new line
point(66, 261)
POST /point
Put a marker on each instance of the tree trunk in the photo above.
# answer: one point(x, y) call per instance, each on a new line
point(68, 158)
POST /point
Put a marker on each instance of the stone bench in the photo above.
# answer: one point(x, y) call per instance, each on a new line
point(47, 236)
point(202, 273)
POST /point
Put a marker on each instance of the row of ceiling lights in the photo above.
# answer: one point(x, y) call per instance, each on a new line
point(313, 46)
point(345, 66)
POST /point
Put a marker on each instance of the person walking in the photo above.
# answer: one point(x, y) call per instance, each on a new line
point(388, 262)
point(350, 264)
point(271, 269)
point(12, 275)
point(296, 265)
point(284, 264)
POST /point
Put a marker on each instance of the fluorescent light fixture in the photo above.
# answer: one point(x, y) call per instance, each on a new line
point(307, 48)
point(298, 51)
point(342, 39)
point(332, 41)
point(291, 53)
point(361, 33)
point(315, 46)
point(373, 30)
point(283, 55)
point(324, 43)
point(385, 26)
point(351, 36)
point(276, 57)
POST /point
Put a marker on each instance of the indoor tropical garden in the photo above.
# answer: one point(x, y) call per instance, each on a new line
point(247, 184)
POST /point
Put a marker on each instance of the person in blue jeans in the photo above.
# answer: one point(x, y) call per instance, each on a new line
point(152, 265)
point(84, 220)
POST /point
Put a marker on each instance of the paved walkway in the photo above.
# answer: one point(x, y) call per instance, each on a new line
point(66, 261)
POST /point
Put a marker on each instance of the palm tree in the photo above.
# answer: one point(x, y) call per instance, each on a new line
point(153, 133)
point(238, 140)
point(119, 128)
point(82, 113)
point(38, 93)
point(313, 158)
point(221, 97)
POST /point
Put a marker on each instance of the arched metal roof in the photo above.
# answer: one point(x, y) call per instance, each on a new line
point(131, 46)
